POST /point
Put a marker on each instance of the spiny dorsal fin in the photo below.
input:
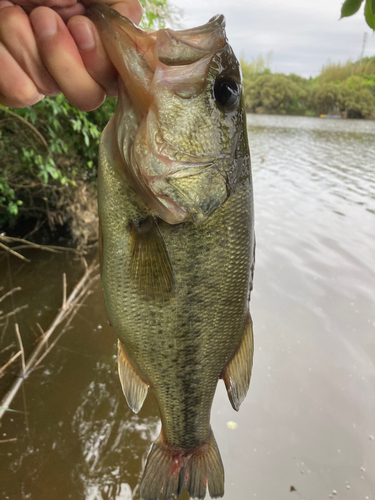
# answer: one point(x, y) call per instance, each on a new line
point(237, 373)
point(134, 388)
point(151, 267)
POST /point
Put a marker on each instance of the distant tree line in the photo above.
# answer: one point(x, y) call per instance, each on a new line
point(345, 89)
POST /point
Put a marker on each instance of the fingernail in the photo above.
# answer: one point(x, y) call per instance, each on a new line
point(44, 23)
point(5, 3)
point(83, 35)
point(38, 97)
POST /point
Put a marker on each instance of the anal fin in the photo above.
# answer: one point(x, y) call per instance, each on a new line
point(237, 373)
point(134, 388)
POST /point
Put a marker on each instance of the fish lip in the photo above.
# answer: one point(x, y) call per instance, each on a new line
point(99, 11)
point(95, 12)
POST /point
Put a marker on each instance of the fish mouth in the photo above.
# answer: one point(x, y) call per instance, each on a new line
point(177, 59)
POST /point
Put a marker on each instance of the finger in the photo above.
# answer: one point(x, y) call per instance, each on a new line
point(17, 36)
point(131, 9)
point(62, 59)
point(91, 48)
point(93, 53)
point(16, 88)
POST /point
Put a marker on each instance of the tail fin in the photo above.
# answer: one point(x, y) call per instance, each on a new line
point(168, 470)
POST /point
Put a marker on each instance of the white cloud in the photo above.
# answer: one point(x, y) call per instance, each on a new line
point(302, 34)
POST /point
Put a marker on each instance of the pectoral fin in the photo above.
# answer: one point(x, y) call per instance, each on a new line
point(237, 373)
point(134, 388)
point(151, 267)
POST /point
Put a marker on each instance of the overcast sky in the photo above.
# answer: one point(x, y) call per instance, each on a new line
point(303, 35)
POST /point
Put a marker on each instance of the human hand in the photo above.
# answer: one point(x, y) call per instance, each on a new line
point(41, 55)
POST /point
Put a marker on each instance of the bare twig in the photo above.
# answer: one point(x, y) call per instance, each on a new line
point(28, 124)
point(4, 330)
point(63, 307)
point(74, 309)
point(15, 311)
point(21, 346)
point(10, 346)
point(10, 293)
point(31, 244)
point(13, 358)
point(22, 247)
point(42, 334)
point(13, 252)
point(8, 440)
point(79, 293)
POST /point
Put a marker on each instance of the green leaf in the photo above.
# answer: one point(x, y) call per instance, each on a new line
point(350, 7)
point(12, 208)
point(370, 13)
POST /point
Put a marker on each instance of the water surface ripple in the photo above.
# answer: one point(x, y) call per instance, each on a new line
point(307, 427)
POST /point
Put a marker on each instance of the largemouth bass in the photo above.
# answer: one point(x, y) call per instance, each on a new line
point(177, 238)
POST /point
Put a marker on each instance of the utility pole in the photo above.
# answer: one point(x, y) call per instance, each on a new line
point(365, 35)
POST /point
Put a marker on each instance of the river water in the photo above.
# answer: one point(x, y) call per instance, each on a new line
point(307, 427)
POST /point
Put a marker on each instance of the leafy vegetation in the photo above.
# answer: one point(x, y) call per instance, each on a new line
point(350, 7)
point(345, 89)
point(49, 150)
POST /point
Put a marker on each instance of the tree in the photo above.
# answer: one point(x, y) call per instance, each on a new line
point(350, 7)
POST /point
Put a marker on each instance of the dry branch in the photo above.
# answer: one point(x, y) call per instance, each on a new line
point(21, 346)
point(15, 311)
point(8, 440)
point(9, 293)
point(28, 124)
point(29, 244)
point(13, 252)
point(73, 302)
point(13, 358)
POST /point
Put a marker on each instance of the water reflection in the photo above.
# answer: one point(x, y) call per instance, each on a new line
point(308, 421)
point(113, 439)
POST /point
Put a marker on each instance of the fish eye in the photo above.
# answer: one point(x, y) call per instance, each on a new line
point(226, 91)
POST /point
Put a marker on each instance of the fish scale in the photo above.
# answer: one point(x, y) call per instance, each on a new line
point(177, 239)
point(211, 286)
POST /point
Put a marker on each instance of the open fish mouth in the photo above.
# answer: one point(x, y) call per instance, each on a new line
point(178, 59)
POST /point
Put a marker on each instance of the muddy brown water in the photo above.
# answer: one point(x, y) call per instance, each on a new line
point(307, 427)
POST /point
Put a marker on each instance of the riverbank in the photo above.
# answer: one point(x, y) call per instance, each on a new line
point(344, 89)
